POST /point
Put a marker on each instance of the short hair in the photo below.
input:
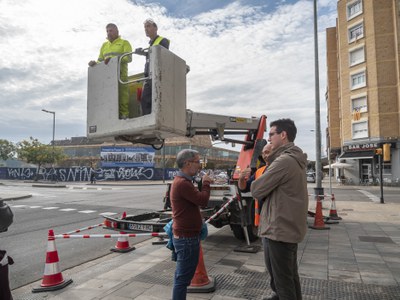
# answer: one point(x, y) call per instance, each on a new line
point(150, 21)
point(286, 125)
point(111, 25)
point(185, 155)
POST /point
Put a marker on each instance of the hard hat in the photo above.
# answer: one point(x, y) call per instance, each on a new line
point(6, 216)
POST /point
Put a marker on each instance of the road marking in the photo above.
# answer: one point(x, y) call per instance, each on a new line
point(89, 188)
point(65, 209)
point(372, 197)
point(87, 211)
point(107, 214)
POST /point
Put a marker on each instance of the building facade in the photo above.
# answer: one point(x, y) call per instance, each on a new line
point(83, 152)
point(363, 90)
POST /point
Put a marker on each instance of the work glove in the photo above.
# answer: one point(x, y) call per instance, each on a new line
point(140, 51)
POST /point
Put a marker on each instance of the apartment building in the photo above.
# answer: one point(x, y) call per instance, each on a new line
point(363, 90)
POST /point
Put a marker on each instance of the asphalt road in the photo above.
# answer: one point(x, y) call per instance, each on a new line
point(80, 205)
point(63, 210)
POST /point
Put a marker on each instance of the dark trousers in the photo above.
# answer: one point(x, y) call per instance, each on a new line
point(283, 259)
point(145, 101)
point(267, 260)
point(5, 293)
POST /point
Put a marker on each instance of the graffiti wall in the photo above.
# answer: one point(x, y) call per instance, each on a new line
point(84, 173)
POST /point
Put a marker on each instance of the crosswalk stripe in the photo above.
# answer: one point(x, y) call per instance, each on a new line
point(107, 214)
point(65, 209)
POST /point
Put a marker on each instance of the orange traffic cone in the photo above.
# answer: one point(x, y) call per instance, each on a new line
point(319, 218)
point(52, 278)
point(333, 213)
point(122, 245)
point(201, 283)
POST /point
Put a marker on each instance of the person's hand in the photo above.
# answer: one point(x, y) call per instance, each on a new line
point(244, 174)
point(107, 60)
point(207, 178)
point(92, 63)
point(140, 51)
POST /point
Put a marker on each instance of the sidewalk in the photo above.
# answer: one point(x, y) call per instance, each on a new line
point(359, 258)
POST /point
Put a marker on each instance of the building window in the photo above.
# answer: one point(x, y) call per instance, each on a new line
point(356, 32)
point(357, 80)
point(360, 129)
point(357, 56)
point(354, 9)
point(359, 104)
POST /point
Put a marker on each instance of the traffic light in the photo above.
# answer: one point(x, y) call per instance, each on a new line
point(386, 152)
point(378, 151)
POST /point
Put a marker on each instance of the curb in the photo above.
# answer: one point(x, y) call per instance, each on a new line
point(49, 185)
point(15, 198)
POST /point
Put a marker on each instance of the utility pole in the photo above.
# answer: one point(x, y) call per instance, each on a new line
point(318, 179)
point(54, 130)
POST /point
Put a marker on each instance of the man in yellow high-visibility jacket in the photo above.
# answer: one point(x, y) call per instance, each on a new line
point(150, 28)
point(116, 46)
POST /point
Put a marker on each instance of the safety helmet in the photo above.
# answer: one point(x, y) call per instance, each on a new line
point(6, 216)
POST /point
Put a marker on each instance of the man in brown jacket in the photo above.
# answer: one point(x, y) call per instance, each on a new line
point(283, 219)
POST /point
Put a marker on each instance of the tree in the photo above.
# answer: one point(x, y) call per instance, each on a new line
point(35, 152)
point(7, 149)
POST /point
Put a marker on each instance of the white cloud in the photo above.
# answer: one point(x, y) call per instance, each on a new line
point(243, 61)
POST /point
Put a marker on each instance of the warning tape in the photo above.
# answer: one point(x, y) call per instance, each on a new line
point(324, 195)
point(219, 211)
point(84, 228)
point(108, 236)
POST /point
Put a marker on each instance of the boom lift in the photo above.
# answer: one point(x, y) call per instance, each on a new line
point(169, 117)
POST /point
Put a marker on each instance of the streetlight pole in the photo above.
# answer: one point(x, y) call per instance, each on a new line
point(54, 131)
point(318, 189)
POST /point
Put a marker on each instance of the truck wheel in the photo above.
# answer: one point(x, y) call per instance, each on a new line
point(239, 234)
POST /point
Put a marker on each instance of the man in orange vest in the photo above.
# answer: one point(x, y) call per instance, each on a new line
point(245, 179)
point(150, 28)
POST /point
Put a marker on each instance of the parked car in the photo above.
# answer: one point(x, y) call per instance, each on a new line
point(311, 177)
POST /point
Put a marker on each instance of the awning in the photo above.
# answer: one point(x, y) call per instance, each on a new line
point(358, 154)
point(339, 165)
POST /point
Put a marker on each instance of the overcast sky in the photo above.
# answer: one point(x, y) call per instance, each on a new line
point(247, 58)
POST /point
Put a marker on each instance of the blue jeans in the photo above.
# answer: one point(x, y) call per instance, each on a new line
point(187, 252)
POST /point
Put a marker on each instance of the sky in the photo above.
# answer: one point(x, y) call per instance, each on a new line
point(247, 58)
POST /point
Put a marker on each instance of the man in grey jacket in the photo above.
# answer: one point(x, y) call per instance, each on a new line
point(283, 221)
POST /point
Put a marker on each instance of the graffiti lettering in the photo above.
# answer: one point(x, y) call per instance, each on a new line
point(83, 173)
